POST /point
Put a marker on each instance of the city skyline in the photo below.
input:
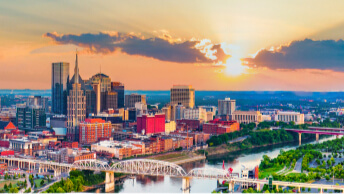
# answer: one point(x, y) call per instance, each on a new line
point(227, 45)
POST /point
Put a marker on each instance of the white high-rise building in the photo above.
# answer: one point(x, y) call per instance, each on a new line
point(226, 106)
point(76, 106)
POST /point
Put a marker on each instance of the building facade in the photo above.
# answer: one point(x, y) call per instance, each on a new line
point(247, 117)
point(30, 117)
point(76, 106)
point(226, 106)
point(150, 124)
point(287, 117)
point(92, 130)
point(38, 101)
point(119, 88)
point(184, 95)
point(111, 99)
point(59, 80)
point(217, 127)
point(131, 99)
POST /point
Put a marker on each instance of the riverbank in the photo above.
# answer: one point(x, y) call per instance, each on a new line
point(178, 157)
point(225, 149)
point(101, 185)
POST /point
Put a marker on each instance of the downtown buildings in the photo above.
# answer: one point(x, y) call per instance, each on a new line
point(59, 81)
point(183, 95)
point(76, 106)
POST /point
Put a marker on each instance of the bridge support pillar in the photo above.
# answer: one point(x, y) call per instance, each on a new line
point(231, 186)
point(186, 185)
point(300, 139)
point(317, 137)
point(277, 188)
point(321, 190)
point(258, 187)
point(39, 170)
point(299, 189)
point(109, 182)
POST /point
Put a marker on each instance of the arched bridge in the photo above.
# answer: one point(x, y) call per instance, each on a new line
point(148, 167)
point(136, 166)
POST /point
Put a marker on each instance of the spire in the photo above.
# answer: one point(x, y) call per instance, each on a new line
point(76, 69)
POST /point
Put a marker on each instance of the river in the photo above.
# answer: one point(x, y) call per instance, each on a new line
point(248, 158)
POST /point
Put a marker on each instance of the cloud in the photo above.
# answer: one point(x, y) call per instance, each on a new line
point(303, 54)
point(162, 48)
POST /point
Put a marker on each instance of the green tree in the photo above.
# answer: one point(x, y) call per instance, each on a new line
point(5, 187)
point(60, 190)
point(42, 182)
point(68, 185)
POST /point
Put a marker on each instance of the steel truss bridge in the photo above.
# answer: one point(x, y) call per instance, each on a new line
point(151, 168)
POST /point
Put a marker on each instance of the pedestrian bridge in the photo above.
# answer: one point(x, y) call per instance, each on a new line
point(151, 168)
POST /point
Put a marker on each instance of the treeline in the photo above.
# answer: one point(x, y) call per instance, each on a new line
point(257, 138)
point(76, 181)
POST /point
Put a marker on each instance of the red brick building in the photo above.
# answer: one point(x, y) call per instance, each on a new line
point(191, 124)
point(82, 156)
point(148, 124)
point(68, 144)
point(92, 130)
point(218, 127)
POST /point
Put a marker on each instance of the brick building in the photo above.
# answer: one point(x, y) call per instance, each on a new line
point(218, 127)
point(92, 130)
point(148, 124)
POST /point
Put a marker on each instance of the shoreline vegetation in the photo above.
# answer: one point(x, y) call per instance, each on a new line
point(260, 136)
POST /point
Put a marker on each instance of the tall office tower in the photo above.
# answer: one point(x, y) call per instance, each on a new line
point(91, 100)
point(119, 88)
point(131, 99)
point(226, 106)
point(104, 80)
point(184, 95)
point(76, 106)
point(105, 86)
point(111, 100)
point(38, 101)
point(96, 89)
point(59, 80)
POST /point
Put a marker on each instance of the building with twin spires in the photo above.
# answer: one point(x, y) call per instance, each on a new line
point(76, 106)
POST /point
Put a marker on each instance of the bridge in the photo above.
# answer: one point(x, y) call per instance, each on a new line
point(317, 131)
point(151, 168)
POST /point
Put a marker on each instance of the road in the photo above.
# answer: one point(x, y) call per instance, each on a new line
point(298, 166)
point(48, 185)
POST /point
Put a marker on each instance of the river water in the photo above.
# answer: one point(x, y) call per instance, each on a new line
point(247, 158)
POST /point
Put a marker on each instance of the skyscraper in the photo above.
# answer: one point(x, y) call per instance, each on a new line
point(119, 88)
point(184, 95)
point(111, 100)
point(104, 80)
point(76, 106)
point(59, 80)
point(226, 106)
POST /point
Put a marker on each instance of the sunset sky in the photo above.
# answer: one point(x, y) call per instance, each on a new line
point(154, 44)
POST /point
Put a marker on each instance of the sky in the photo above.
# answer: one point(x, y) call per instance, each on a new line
point(152, 45)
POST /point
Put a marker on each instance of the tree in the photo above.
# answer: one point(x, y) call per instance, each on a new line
point(10, 185)
point(25, 183)
point(5, 187)
point(68, 185)
point(60, 190)
point(42, 182)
